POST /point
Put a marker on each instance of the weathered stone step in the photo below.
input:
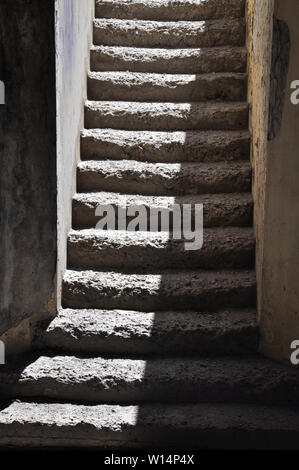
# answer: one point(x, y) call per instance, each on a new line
point(199, 290)
point(158, 426)
point(176, 34)
point(223, 248)
point(170, 11)
point(134, 115)
point(200, 60)
point(232, 332)
point(192, 146)
point(219, 209)
point(173, 179)
point(136, 86)
point(204, 380)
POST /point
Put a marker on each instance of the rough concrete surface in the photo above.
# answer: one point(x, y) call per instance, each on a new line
point(279, 283)
point(279, 70)
point(112, 32)
point(219, 209)
point(166, 11)
point(165, 116)
point(113, 380)
point(193, 146)
point(153, 87)
point(222, 248)
point(200, 60)
point(28, 161)
point(202, 290)
point(133, 177)
point(207, 426)
point(153, 333)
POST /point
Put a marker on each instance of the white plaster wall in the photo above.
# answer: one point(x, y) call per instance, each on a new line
point(73, 37)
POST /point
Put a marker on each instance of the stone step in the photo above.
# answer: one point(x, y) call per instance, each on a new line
point(223, 248)
point(219, 209)
point(136, 86)
point(173, 179)
point(176, 34)
point(251, 380)
point(233, 332)
point(170, 11)
point(199, 290)
point(167, 147)
point(134, 115)
point(158, 426)
point(199, 60)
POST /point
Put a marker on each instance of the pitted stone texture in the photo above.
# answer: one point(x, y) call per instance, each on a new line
point(116, 32)
point(128, 86)
point(193, 146)
point(221, 379)
point(164, 10)
point(200, 60)
point(223, 248)
point(166, 116)
point(200, 290)
point(202, 426)
point(232, 332)
point(219, 209)
point(133, 177)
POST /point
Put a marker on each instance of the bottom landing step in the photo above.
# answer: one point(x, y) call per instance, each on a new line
point(204, 426)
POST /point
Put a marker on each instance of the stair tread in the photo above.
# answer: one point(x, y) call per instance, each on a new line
point(191, 60)
point(147, 33)
point(166, 116)
point(219, 209)
point(145, 86)
point(165, 290)
point(101, 379)
point(201, 426)
point(163, 178)
point(164, 146)
point(164, 10)
point(223, 248)
point(130, 332)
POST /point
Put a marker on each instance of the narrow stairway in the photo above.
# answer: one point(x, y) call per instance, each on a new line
point(156, 346)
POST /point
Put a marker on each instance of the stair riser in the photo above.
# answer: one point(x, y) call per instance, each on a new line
point(238, 213)
point(176, 35)
point(169, 381)
point(164, 11)
point(242, 341)
point(213, 87)
point(92, 298)
point(140, 393)
point(157, 426)
point(90, 253)
point(78, 295)
point(168, 118)
point(139, 60)
point(224, 180)
point(185, 147)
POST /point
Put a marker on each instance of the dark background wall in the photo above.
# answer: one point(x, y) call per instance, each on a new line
point(28, 161)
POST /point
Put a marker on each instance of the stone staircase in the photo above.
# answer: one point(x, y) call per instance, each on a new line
point(156, 346)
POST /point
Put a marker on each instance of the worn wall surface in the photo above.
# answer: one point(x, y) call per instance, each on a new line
point(276, 168)
point(280, 300)
point(73, 40)
point(259, 44)
point(28, 165)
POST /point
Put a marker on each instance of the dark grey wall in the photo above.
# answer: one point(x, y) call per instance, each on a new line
point(279, 71)
point(28, 160)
